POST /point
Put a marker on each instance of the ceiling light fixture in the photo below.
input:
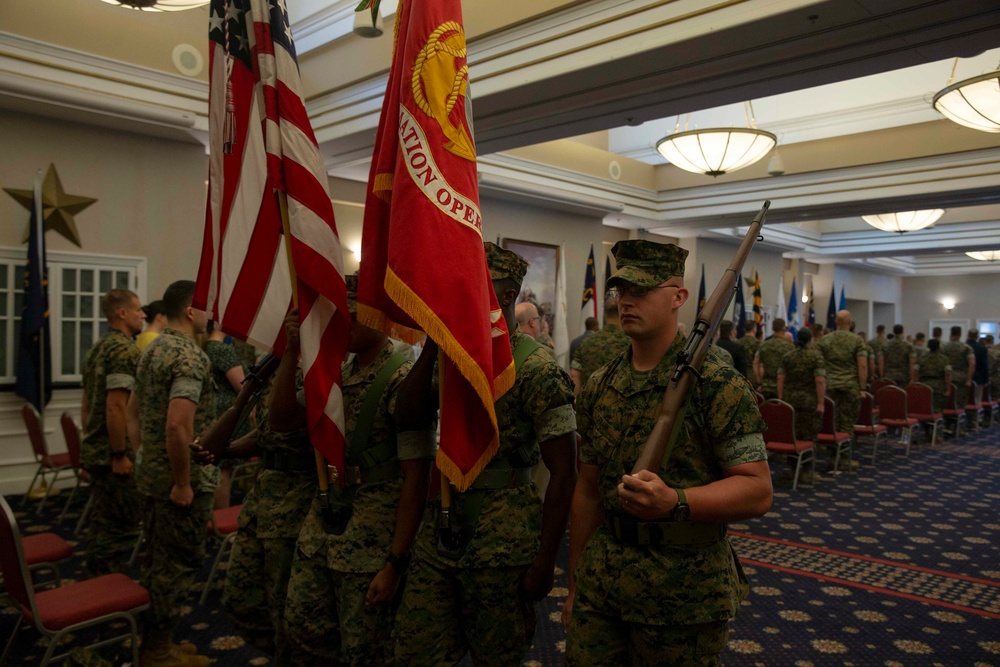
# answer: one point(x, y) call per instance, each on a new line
point(715, 151)
point(906, 221)
point(985, 255)
point(159, 5)
point(973, 102)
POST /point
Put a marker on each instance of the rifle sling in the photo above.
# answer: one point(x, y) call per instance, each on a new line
point(358, 453)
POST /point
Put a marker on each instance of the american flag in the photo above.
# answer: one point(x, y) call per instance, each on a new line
point(244, 279)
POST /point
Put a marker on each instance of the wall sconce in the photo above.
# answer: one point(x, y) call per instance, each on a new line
point(948, 304)
point(356, 251)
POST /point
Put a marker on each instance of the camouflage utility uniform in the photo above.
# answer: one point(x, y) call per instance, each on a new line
point(932, 369)
point(801, 367)
point(598, 350)
point(994, 359)
point(751, 345)
point(224, 358)
point(877, 346)
point(114, 523)
point(841, 350)
point(326, 619)
point(269, 523)
point(172, 367)
point(896, 355)
point(473, 603)
point(958, 354)
point(635, 597)
point(770, 353)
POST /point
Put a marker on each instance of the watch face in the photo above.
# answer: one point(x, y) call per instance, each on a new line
point(681, 513)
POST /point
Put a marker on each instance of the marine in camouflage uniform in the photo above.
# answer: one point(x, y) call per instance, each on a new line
point(482, 601)
point(175, 510)
point(108, 379)
point(273, 511)
point(751, 344)
point(846, 359)
point(769, 356)
point(599, 349)
point(897, 358)
point(649, 588)
point(800, 385)
point(934, 370)
point(994, 365)
point(961, 357)
point(342, 591)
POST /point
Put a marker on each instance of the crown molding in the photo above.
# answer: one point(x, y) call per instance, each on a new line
point(329, 24)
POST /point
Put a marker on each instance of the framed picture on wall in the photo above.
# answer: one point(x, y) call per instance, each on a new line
point(539, 285)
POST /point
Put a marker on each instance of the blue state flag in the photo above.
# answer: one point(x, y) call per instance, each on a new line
point(793, 306)
point(701, 290)
point(34, 356)
point(739, 308)
point(843, 299)
point(831, 310)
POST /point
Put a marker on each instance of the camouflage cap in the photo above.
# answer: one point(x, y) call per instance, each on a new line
point(352, 293)
point(504, 263)
point(646, 263)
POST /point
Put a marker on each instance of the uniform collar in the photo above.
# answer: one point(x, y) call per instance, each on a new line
point(356, 375)
point(625, 381)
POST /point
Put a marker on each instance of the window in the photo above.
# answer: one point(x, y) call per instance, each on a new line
point(76, 284)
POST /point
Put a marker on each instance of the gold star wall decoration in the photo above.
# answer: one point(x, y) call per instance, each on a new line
point(58, 208)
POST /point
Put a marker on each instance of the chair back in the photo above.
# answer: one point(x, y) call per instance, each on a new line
point(829, 421)
point(891, 401)
point(950, 399)
point(920, 399)
point(882, 382)
point(970, 396)
point(15, 570)
point(33, 422)
point(72, 435)
point(866, 416)
point(780, 419)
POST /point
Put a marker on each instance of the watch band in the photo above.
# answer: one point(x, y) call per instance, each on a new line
point(117, 454)
point(681, 497)
point(399, 563)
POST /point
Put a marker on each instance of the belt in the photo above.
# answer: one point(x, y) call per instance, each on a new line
point(630, 530)
point(357, 475)
point(289, 461)
point(501, 478)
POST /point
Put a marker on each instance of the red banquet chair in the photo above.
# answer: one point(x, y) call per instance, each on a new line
point(991, 408)
point(973, 411)
point(891, 401)
point(829, 435)
point(951, 412)
point(882, 382)
point(223, 526)
point(780, 435)
point(66, 610)
point(920, 402)
point(867, 426)
point(71, 433)
point(54, 463)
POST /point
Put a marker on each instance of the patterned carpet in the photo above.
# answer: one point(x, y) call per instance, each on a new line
point(890, 566)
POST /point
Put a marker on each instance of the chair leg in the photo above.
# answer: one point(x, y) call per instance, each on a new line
point(12, 640)
point(138, 545)
point(27, 494)
point(51, 648)
point(48, 492)
point(798, 466)
point(84, 514)
point(224, 548)
point(69, 500)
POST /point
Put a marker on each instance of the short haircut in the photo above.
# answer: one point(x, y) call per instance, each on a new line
point(897, 329)
point(880, 329)
point(153, 309)
point(816, 328)
point(778, 325)
point(936, 332)
point(920, 336)
point(749, 325)
point(973, 333)
point(805, 335)
point(177, 297)
point(725, 328)
point(591, 324)
point(933, 344)
point(989, 338)
point(611, 307)
point(956, 331)
point(115, 299)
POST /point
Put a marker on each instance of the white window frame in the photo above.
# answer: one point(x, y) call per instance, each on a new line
point(58, 260)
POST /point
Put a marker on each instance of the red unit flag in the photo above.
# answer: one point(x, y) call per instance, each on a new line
point(424, 266)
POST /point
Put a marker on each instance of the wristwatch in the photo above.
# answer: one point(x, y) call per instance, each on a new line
point(399, 563)
point(117, 454)
point(681, 511)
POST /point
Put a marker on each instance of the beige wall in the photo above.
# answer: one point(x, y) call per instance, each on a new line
point(150, 192)
point(974, 295)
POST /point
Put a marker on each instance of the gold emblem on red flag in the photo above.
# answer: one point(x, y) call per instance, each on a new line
point(440, 79)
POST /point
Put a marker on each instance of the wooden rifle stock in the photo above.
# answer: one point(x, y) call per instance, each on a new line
point(666, 428)
point(216, 437)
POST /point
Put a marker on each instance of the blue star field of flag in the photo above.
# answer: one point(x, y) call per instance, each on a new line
point(236, 11)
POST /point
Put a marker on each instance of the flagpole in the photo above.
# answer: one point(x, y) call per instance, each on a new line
point(322, 476)
point(39, 245)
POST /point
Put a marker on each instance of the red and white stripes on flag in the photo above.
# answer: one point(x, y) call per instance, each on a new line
point(244, 280)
